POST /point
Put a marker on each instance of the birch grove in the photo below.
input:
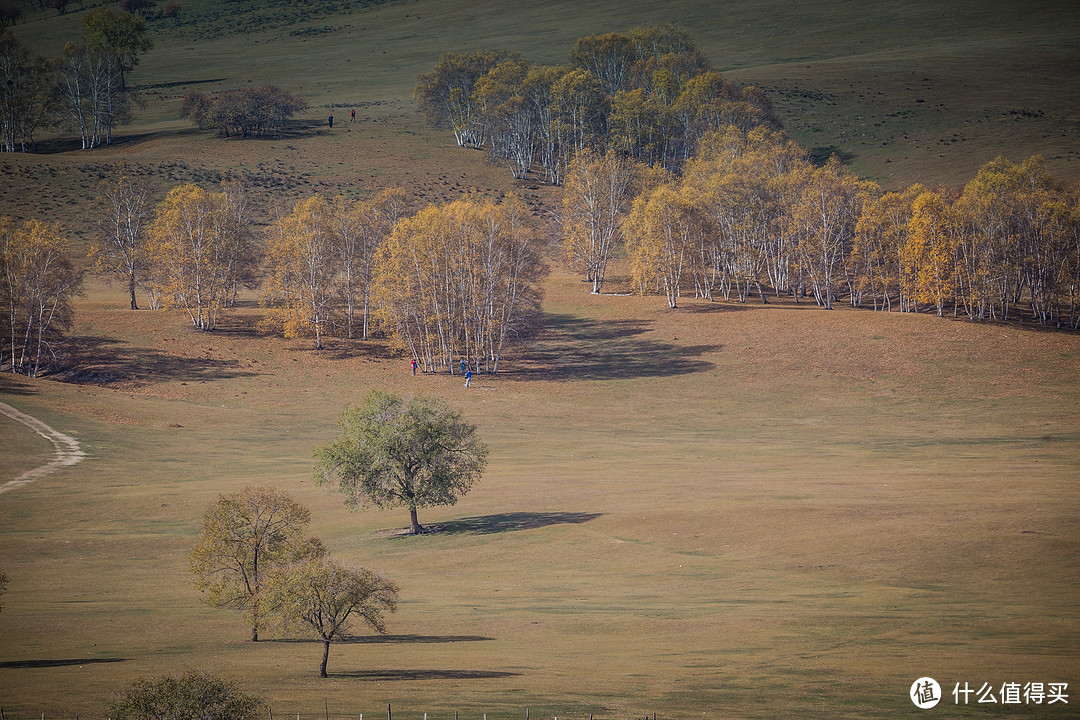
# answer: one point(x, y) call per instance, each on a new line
point(199, 249)
point(321, 263)
point(648, 93)
point(459, 282)
point(750, 212)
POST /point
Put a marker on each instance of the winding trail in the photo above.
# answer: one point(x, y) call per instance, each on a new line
point(68, 451)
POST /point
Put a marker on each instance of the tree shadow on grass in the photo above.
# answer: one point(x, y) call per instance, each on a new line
point(426, 674)
point(178, 83)
point(702, 308)
point(414, 639)
point(389, 639)
point(9, 388)
point(58, 663)
point(574, 348)
point(107, 361)
point(512, 522)
point(71, 144)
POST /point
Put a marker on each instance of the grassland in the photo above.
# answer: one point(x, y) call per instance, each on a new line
point(725, 510)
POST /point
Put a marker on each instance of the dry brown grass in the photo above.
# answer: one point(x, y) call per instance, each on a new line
point(729, 510)
point(724, 508)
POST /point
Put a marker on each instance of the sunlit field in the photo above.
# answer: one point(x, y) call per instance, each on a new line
point(725, 510)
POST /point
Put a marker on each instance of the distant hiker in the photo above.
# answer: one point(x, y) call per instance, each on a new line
point(414, 366)
point(468, 378)
point(331, 119)
point(353, 111)
point(463, 366)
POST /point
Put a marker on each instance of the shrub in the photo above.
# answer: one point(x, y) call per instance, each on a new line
point(195, 695)
point(248, 111)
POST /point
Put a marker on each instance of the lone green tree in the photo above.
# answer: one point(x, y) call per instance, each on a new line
point(413, 452)
point(194, 695)
point(325, 596)
point(244, 536)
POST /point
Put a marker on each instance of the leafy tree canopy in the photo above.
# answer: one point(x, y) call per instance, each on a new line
point(244, 536)
point(194, 695)
point(324, 597)
point(412, 452)
point(121, 34)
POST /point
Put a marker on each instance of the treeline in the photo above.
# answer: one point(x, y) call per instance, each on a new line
point(751, 215)
point(81, 90)
point(649, 93)
point(452, 283)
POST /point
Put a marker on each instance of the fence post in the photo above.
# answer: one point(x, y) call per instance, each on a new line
point(388, 715)
point(326, 706)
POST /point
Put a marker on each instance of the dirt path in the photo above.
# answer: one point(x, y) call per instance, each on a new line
point(68, 451)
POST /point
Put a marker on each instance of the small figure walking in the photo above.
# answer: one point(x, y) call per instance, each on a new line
point(414, 366)
point(331, 119)
point(353, 112)
point(462, 366)
point(468, 378)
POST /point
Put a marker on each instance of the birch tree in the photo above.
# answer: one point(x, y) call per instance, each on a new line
point(824, 225)
point(608, 57)
point(930, 254)
point(748, 183)
point(39, 281)
point(91, 99)
point(599, 192)
point(26, 98)
point(304, 269)
point(460, 281)
point(198, 250)
point(446, 94)
point(123, 216)
point(881, 234)
point(509, 119)
point(663, 230)
point(378, 217)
